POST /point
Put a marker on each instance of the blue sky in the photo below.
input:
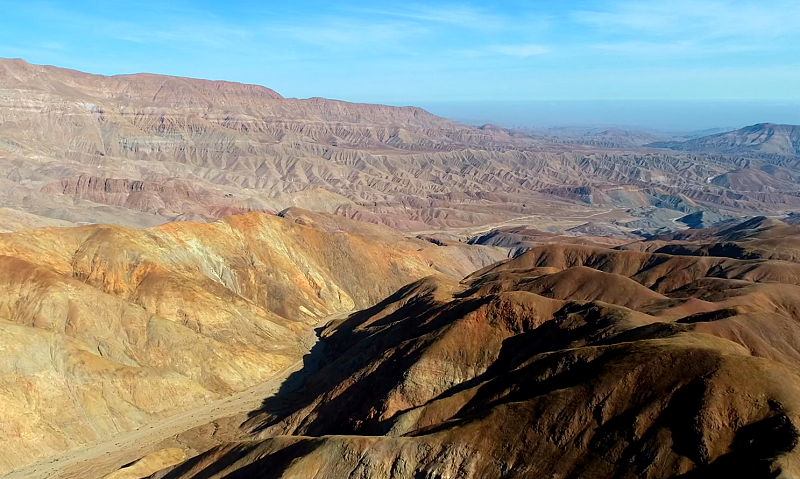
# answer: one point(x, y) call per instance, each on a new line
point(433, 51)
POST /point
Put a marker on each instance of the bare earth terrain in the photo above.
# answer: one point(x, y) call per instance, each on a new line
point(490, 303)
point(567, 361)
point(146, 149)
point(105, 329)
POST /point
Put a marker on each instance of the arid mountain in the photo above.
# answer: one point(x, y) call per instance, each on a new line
point(141, 150)
point(175, 148)
point(597, 137)
point(763, 138)
point(104, 329)
point(518, 239)
point(567, 361)
point(757, 238)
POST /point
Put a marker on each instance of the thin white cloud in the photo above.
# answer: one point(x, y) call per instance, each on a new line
point(59, 46)
point(171, 26)
point(684, 48)
point(703, 18)
point(334, 33)
point(205, 34)
point(464, 16)
point(522, 51)
point(691, 28)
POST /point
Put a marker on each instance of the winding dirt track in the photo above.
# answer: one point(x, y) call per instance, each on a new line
point(97, 460)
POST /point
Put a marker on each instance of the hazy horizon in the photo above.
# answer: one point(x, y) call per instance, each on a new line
point(677, 67)
point(646, 115)
point(656, 116)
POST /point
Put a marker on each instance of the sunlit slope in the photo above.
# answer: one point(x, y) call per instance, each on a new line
point(107, 328)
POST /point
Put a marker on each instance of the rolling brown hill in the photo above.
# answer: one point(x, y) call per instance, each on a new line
point(104, 329)
point(567, 361)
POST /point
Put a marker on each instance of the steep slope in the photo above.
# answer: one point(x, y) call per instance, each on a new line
point(567, 361)
point(106, 328)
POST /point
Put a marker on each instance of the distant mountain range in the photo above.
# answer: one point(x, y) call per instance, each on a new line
point(144, 149)
point(593, 136)
point(763, 138)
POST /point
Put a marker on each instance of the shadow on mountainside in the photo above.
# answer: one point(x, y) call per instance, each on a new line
point(271, 467)
point(393, 343)
point(754, 450)
point(284, 401)
point(346, 354)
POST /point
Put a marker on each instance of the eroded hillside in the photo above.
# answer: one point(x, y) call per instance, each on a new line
point(147, 149)
point(106, 328)
point(569, 360)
